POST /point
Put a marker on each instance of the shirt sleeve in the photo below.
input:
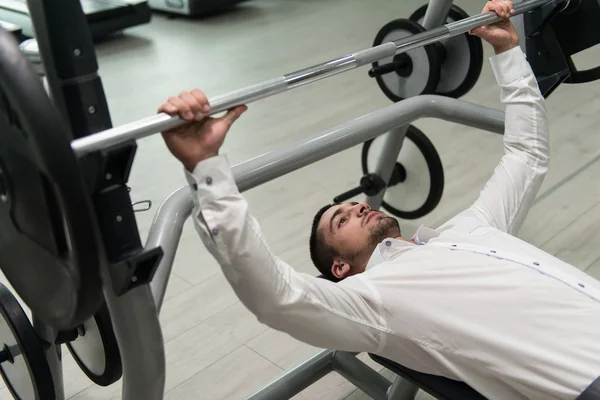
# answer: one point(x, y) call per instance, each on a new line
point(509, 194)
point(313, 310)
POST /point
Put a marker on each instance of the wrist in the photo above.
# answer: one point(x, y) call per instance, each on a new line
point(191, 163)
point(504, 48)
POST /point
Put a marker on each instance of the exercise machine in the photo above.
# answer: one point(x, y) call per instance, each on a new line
point(69, 243)
point(104, 17)
point(193, 7)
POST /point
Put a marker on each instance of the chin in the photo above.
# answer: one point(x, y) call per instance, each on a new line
point(386, 227)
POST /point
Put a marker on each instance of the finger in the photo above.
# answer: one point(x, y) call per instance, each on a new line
point(167, 108)
point(486, 8)
point(511, 7)
point(182, 108)
point(192, 102)
point(478, 31)
point(232, 115)
point(496, 7)
point(506, 7)
point(201, 97)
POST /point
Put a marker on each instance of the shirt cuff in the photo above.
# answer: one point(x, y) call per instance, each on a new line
point(510, 66)
point(211, 179)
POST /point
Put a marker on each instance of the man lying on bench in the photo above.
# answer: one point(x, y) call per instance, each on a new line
point(467, 301)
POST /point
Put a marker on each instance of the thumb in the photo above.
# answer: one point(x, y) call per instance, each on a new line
point(232, 115)
point(478, 31)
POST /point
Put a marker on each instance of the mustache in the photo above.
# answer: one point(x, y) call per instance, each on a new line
point(367, 215)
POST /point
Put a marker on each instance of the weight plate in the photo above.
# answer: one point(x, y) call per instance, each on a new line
point(462, 60)
point(420, 166)
point(424, 63)
point(96, 351)
point(23, 366)
point(50, 246)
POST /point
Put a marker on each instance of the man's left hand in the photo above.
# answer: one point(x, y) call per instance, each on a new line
point(501, 35)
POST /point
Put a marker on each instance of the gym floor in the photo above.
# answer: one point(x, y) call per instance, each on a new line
point(215, 348)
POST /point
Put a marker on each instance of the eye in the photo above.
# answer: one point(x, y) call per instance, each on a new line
point(342, 220)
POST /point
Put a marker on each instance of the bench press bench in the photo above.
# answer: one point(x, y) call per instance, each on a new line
point(410, 381)
point(438, 386)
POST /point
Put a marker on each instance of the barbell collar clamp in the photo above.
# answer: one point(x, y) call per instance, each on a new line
point(402, 65)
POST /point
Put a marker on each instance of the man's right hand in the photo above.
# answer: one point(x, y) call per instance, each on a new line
point(202, 136)
point(501, 35)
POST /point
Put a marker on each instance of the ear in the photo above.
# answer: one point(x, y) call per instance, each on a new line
point(340, 269)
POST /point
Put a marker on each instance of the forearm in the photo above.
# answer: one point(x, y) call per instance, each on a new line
point(526, 133)
point(231, 235)
point(509, 194)
point(270, 288)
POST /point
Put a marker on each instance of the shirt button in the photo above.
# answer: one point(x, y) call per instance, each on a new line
point(493, 251)
point(208, 180)
point(582, 285)
point(536, 263)
point(215, 231)
point(388, 243)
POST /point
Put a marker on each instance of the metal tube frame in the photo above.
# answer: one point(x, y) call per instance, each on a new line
point(402, 389)
point(168, 223)
point(161, 122)
point(385, 164)
point(437, 11)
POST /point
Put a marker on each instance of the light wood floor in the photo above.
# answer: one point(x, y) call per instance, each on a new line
point(216, 350)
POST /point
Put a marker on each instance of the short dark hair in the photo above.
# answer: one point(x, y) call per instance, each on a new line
point(321, 253)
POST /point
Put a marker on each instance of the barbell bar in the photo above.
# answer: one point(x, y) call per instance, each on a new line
point(162, 122)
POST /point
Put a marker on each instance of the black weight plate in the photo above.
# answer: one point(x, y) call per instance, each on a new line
point(425, 63)
point(96, 351)
point(50, 247)
point(463, 59)
point(24, 368)
point(421, 190)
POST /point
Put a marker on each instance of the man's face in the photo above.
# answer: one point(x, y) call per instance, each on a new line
point(354, 230)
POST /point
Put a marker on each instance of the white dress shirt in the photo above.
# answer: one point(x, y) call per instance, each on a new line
point(468, 300)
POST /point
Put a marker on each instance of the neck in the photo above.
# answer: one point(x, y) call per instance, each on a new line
point(403, 239)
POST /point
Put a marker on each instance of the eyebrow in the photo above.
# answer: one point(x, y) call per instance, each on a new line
point(335, 214)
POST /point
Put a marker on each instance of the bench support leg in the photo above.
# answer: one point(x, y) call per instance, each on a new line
point(402, 389)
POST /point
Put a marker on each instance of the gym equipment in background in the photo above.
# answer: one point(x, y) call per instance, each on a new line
point(455, 62)
point(95, 349)
point(416, 184)
point(104, 17)
point(462, 56)
point(193, 7)
point(408, 74)
point(448, 67)
point(43, 141)
point(23, 364)
point(554, 35)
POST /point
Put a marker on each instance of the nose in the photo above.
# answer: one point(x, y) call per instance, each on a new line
point(362, 208)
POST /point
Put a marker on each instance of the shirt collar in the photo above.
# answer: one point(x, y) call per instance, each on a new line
point(390, 247)
point(424, 235)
